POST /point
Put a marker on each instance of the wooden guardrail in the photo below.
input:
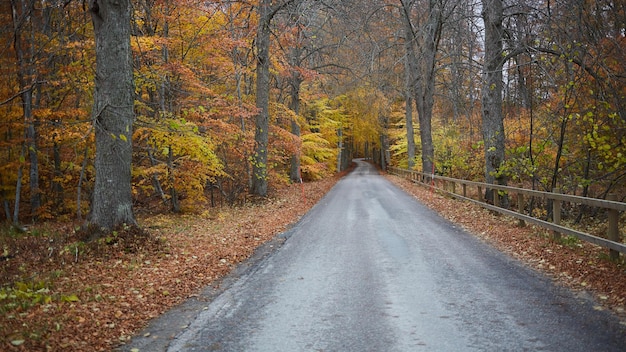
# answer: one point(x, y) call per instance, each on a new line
point(613, 207)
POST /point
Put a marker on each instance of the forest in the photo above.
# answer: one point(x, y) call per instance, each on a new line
point(223, 100)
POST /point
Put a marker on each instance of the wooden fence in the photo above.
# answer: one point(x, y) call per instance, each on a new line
point(449, 186)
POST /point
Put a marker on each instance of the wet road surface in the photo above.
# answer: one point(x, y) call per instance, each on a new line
point(371, 269)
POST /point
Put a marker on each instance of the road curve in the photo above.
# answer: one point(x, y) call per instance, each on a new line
point(371, 269)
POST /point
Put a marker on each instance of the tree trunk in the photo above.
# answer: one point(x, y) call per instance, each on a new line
point(79, 188)
point(113, 115)
point(239, 74)
point(409, 68)
point(57, 187)
point(295, 126)
point(410, 136)
point(172, 179)
point(424, 76)
point(493, 120)
point(25, 55)
point(340, 148)
point(18, 189)
point(425, 114)
point(295, 81)
point(426, 83)
point(262, 124)
point(261, 132)
point(156, 183)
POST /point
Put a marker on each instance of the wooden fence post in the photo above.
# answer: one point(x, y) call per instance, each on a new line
point(520, 208)
point(480, 194)
point(496, 197)
point(613, 233)
point(556, 214)
point(464, 190)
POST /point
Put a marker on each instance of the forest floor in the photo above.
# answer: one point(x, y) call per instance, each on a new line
point(59, 293)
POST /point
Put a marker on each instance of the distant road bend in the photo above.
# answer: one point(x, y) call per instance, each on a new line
point(371, 269)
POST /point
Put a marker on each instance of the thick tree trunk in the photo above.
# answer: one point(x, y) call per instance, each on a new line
point(261, 132)
point(112, 115)
point(425, 114)
point(493, 120)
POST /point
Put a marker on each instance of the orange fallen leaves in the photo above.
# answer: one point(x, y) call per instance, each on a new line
point(114, 290)
point(119, 288)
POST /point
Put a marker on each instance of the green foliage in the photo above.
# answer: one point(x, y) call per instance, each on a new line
point(570, 241)
point(24, 295)
point(454, 156)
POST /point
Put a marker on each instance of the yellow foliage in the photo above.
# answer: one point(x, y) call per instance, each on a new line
point(186, 158)
point(318, 156)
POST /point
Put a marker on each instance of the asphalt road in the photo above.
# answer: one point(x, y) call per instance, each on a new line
point(371, 269)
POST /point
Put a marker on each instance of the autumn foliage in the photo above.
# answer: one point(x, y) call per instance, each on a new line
point(193, 136)
point(339, 88)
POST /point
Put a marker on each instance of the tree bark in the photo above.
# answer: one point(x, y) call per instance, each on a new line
point(409, 67)
point(172, 180)
point(25, 55)
point(18, 189)
point(295, 82)
point(410, 134)
point(294, 105)
point(261, 132)
point(425, 91)
point(340, 147)
point(493, 119)
point(424, 75)
point(262, 122)
point(113, 115)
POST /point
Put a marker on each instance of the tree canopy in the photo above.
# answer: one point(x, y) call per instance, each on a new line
point(229, 93)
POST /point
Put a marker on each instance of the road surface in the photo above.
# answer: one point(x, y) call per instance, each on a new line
point(371, 269)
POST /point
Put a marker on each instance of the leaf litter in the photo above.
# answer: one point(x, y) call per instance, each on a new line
point(101, 293)
point(95, 296)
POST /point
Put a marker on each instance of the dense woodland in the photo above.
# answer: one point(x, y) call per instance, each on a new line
point(230, 98)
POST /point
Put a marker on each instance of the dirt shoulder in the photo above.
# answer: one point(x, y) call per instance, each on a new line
point(581, 266)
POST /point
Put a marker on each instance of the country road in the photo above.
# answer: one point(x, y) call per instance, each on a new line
point(371, 269)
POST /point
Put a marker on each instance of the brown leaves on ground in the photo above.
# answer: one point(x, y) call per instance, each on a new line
point(62, 294)
point(579, 265)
